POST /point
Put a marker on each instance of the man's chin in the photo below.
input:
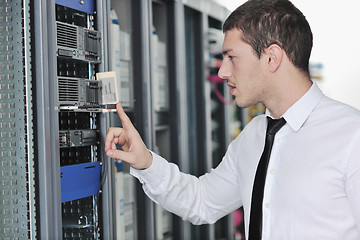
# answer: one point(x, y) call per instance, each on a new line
point(244, 104)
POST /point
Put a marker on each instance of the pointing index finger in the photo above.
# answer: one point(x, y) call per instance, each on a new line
point(125, 121)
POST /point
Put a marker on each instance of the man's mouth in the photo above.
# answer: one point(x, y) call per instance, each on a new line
point(233, 88)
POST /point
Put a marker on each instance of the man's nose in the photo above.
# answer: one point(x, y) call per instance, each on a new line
point(223, 71)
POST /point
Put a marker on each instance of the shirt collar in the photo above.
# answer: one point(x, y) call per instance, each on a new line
point(297, 114)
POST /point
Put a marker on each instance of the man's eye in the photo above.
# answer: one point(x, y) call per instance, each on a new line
point(230, 57)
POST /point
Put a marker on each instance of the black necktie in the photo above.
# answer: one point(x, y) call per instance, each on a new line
point(255, 228)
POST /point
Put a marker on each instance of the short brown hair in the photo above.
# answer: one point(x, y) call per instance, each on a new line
point(266, 22)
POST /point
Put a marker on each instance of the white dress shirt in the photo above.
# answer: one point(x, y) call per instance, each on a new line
point(312, 189)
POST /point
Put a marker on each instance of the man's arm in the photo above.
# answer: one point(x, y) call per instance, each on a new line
point(198, 200)
point(353, 181)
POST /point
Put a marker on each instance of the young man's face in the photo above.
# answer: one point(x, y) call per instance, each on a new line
point(242, 69)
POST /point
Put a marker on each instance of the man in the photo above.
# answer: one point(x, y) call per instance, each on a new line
point(312, 188)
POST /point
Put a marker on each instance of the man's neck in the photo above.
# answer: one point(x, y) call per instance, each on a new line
point(287, 95)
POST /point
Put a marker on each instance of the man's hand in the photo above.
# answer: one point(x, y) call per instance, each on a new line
point(133, 149)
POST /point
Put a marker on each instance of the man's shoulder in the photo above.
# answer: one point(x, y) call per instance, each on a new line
point(256, 125)
point(251, 133)
point(338, 109)
point(257, 121)
point(331, 110)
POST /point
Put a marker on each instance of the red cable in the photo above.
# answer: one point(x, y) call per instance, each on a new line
point(220, 96)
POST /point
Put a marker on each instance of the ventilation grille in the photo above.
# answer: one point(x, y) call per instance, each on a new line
point(68, 89)
point(66, 35)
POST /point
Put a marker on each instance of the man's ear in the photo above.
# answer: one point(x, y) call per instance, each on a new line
point(274, 56)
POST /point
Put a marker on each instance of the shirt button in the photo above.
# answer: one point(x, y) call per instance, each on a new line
point(272, 171)
point(267, 205)
point(278, 140)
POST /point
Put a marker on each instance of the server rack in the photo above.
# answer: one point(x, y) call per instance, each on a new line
point(204, 16)
point(18, 210)
point(166, 107)
point(71, 167)
point(221, 104)
point(165, 128)
point(78, 51)
point(65, 122)
point(48, 170)
point(196, 107)
point(121, 59)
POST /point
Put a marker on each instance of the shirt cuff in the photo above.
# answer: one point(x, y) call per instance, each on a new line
point(154, 174)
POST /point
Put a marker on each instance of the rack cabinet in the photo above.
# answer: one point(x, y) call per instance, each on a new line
point(55, 109)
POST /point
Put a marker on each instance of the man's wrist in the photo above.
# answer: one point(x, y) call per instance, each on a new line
point(148, 161)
